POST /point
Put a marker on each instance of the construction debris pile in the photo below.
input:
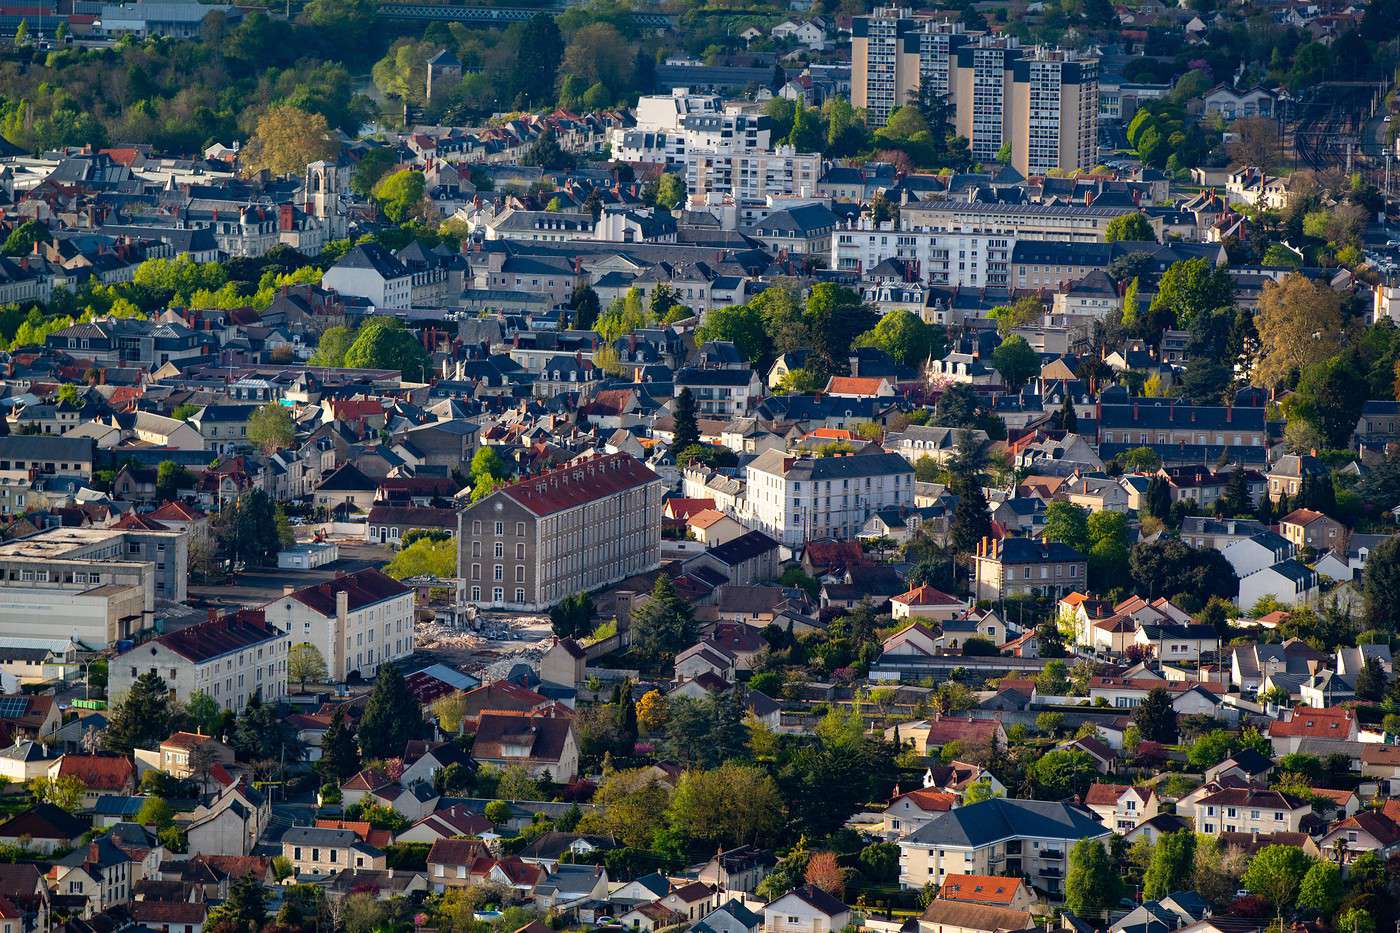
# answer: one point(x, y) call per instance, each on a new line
point(434, 634)
point(491, 646)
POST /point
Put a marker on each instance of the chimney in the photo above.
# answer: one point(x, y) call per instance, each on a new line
point(285, 216)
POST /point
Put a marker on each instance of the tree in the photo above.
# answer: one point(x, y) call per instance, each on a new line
point(373, 165)
point(978, 791)
point(629, 807)
point(142, 718)
point(171, 477)
point(21, 240)
point(687, 430)
point(1091, 885)
point(1062, 773)
point(1299, 323)
point(1068, 524)
point(384, 343)
point(287, 140)
point(732, 805)
point(335, 341)
point(392, 716)
point(1015, 361)
point(516, 784)
point(270, 428)
point(340, 754)
point(304, 662)
point(1155, 717)
point(835, 316)
point(427, 556)
point(599, 53)
point(1023, 312)
point(1133, 226)
point(665, 625)
point(572, 616)
point(155, 812)
point(585, 305)
point(65, 791)
point(1380, 586)
point(823, 871)
point(1255, 142)
point(204, 711)
point(1172, 865)
point(670, 191)
point(1276, 873)
point(399, 193)
point(1321, 888)
point(537, 54)
point(742, 325)
point(1329, 396)
point(1053, 678)
point(905, 337)
point(651, 712)
point(1370, 681)
point(1190, 288)
point(245, 908)
point(1169, 566)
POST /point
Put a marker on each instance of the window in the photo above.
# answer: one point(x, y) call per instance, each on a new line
point(500, 528)
point(520, 529)
point(520, 594)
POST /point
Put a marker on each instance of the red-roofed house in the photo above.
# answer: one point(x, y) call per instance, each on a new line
point(357, 621)
point(1307, 528)
point(1012, 893)
point(927, 734)
point(545, 746)
point(522, 547)
point(100, 774)
point(925, 602)
point(859, 387)
point(913, 809)
point(1304, 722)
point(1121, 807)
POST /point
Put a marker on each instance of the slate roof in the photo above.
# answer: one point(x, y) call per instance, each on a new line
point(1000, 818)
point(362, 588)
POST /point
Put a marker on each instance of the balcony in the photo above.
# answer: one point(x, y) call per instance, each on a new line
point(1056, 854)
point(1051, 871)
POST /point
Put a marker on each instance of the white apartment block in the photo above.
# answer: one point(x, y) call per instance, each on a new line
point(752, 174)
point(957, 259)
point(229, 658)
point(357, 621)
point(797, 499)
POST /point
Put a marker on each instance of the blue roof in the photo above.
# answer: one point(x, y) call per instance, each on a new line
point(1001, 818)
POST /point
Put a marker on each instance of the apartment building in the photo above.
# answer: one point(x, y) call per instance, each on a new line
point(230, 658)
point(585, 525)
point(357, 621)
point(1026, 567)
point(1001, 836)
point(1074, 223)
point(958, 259)
point(797, 499)
point(1159, 421)
point(317, 852)
point(95, 585)
point(751, 174)
point(1043, 102)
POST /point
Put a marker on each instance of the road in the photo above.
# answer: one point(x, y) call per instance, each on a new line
point(255, 587)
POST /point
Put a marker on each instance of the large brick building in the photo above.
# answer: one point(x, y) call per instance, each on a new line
point(569, 530)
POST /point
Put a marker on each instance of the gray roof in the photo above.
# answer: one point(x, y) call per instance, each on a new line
point(1001, 818)
point(375, 257)
point(317, 836)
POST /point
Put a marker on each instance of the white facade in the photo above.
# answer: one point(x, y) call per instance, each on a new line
point(230, 678)
point(396, 292)
point(799, 499)
point(958, 258)
point(349, 640)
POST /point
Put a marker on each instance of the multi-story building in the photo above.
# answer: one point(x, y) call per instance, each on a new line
point(93, 585)
point(371, 272)
point(316, 851)
point(1001, 836)
point(1027, 567)
point(1062, 222)
point(751, 174)
point(229, 658)
point(1044, 103)
point(569, 530)
point(1250, 810)
point(797, 499)
point(960, 259)
point(357, 621)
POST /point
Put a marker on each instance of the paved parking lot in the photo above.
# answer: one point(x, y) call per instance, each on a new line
point(255, 587)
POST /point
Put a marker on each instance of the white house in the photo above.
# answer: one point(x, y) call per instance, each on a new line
point(1291, 583)
point(371, 272)
point(357, 621)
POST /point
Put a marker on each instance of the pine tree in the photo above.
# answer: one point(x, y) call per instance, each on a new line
point(665, 625)
point(1159, 499)
point(143, 718)
point(392, 716)
point(1236, 500)
point(1066, 419)
point(245, 910)
point(687, 432)
point(340, 757)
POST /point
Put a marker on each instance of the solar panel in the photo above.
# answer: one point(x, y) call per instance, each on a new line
point(13, 707)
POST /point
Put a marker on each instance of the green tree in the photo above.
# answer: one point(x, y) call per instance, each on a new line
point(742, 325)
point(1062, 773)
point(1053, 678)
point(142, 718)
point(373, 165)
point(335, 341)
point(155, 812)
point(905, 337)
point(384, 343)
point(270, 428)
point(1321, 888)
point(1068, 524)
point(1133, 226)
point(21, 240)
point(687, 429)
point(392, 716)
point(1091, 884)
point(665, 625)
point(171, 477)
point(65, 791)
point(304, 662)
point(1015, 361)
point(204, 711)
point(1190, 288)
point(733, 805)
point(1370, 681)
point(398, 194)
point(1023, 312)
point(1155, 717)
point(670, 191)
point(340, 754)
point(1172, 865)
point(1330, 395)
point(978, 791)
point(572, 617)
point(1380, 586)
point(245, 908)
point(1276, 873)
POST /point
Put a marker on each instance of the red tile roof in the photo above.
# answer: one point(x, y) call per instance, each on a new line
point(853, 385)
point(1104, 795)
point(1326, 723)
point(362, 588)
point(205, 640)
point(98, 772)
point(579, 483)
point(176, 512)
point(980, 889)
